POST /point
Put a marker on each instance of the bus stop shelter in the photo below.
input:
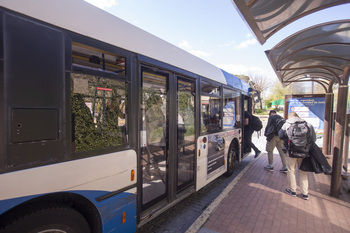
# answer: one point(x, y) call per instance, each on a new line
point(319, 53)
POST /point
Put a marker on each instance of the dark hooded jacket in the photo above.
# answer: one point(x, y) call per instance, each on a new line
point(316, 162)
point(270, 129)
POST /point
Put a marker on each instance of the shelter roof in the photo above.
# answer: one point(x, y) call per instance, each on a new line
point(266, 17)
point(319, 53)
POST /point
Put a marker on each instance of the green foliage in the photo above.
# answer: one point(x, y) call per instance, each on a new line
point(277, 92)
point(90, 136)
point(84, 127)
point(261, 111)
point(189, 129)
point(268, 103)
point(156, 134)
point(97, 127)
point(185, 101)
point(153, 97)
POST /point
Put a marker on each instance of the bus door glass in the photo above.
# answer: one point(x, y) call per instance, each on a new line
point(185, 132)
point(247, 103)
point(247, 106)
point(154, 137)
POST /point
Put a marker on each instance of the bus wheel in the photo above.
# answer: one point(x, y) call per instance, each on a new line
point(231, 159)
point(58, 219)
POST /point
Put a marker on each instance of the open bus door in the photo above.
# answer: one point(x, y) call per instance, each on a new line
point(167, 138)
point(247, 106)
point(247, 102)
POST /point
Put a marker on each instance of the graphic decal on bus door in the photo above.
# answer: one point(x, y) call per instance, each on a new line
point(229, 115)
point(216, 148)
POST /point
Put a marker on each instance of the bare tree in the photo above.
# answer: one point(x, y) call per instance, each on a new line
point(277, 91)
point(245, 78)
point(259, 83)
point(299, 88)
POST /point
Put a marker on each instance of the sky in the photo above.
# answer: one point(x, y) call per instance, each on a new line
point(212, 30)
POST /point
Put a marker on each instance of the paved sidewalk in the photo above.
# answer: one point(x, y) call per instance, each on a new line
point(256, 202)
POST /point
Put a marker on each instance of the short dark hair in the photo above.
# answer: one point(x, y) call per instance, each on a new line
point(272, 111)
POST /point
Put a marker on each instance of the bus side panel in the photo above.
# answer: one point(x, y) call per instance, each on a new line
point(34, 86)
point(212, 156)
point(94, 177)
point(112, 209)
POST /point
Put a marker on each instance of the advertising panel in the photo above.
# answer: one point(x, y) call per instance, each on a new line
point(311, 109)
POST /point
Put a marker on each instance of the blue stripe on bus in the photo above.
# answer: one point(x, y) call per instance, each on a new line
point(111, 209)
point(8, 204)
point(235, 82)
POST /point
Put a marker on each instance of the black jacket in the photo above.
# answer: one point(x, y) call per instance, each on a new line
point(270, 129)
point(249, 116)
point(316, 162)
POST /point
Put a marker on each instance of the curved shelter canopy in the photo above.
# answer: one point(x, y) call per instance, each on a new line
point(266, 17)
point(319, 53)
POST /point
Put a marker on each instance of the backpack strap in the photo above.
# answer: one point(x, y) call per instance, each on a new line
point(308, 133)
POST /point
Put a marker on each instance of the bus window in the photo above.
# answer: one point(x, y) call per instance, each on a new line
point(98, 112)
point(87, 56)
point(231, 109)
point(210, 107)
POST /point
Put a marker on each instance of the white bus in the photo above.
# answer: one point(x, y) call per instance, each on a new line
point(104, 126)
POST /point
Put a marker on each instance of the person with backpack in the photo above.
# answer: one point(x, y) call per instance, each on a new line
point(298, 136)
point(248, 131)
point(274, 124)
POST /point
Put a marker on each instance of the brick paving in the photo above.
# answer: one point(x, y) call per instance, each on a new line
point(257, 203)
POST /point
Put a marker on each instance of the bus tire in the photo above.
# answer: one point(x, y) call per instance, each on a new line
point(62, 219)
point(231, 159)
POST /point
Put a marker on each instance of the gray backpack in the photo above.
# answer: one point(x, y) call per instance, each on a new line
point(299, 140)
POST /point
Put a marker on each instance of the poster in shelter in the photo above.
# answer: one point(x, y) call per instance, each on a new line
point(311, 109)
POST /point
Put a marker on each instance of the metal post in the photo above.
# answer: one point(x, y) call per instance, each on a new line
point(339, 141)
point(346, 143)
point(339, 135)
point(286, 107)
point(327, 130)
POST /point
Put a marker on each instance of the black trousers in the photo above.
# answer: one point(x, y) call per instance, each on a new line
point(248, 141)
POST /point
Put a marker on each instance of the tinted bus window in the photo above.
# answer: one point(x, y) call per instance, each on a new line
point(87, 56)
point(98, 112)
point(231, 109)
point(210, 107)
